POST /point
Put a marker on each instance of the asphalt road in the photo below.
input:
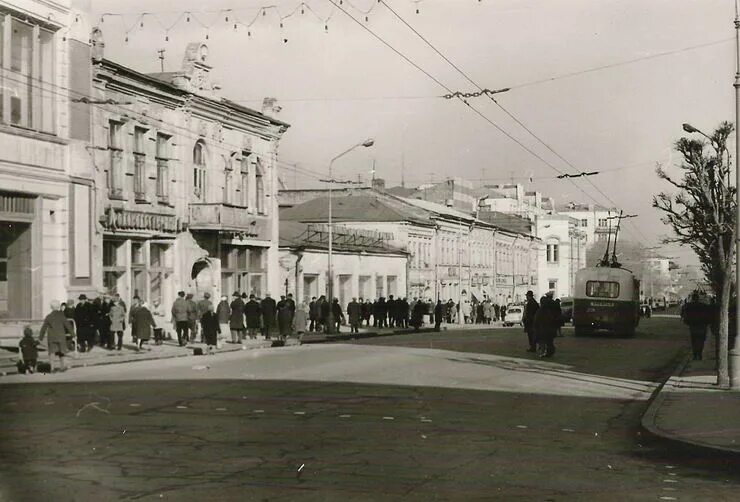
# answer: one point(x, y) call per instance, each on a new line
point(191, 433)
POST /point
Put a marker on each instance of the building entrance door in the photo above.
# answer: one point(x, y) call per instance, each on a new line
point(15, 270)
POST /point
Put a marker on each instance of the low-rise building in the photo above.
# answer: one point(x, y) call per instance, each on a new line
point(363, 264)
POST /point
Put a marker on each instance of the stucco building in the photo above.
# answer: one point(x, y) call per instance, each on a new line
point(45, 173)
point(364, 264)
point(186, 183)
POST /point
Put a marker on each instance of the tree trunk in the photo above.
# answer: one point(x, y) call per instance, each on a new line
point(723, 374)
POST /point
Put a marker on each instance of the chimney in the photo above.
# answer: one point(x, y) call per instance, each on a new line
point(379, 184)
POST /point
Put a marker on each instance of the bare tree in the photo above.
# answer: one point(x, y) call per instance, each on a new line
point(702, 216)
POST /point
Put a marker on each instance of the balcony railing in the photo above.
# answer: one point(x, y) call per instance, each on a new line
point(226, 218)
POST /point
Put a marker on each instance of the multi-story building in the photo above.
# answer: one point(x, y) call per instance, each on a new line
point(452, 254)
point(45, 187)
point(593, 220)
point(564, 253)
point(185, 184)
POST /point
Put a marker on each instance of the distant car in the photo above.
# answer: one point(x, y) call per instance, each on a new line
point(514, 315)
point(659, 304)
point(566, 309)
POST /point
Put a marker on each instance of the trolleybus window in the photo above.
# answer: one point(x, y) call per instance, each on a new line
point(602, 289)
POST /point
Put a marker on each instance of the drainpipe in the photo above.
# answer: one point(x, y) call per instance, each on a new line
point(299, 255)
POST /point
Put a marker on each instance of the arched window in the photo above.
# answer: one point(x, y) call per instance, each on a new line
point(244, 178)
point(259, 188)
point(199, 171)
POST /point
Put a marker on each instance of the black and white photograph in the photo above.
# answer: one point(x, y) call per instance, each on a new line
point(369, 250)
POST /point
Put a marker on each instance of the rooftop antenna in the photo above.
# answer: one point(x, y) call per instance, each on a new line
point(161, 58)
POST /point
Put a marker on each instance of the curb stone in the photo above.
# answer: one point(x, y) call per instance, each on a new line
point(649, 423)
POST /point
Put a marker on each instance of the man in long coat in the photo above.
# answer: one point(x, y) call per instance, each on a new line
point(253, 313)
point(313, 313)
point(85, 323)
point(269, 311)
point(530, 310)
point(58, 326)
point(180, 318)
point(354, 313)
point(284, 318)
point(236, 319)
point(202, 307)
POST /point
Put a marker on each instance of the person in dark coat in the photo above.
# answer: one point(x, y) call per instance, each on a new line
point(135, 304)
point(253, 313)
point(210, 327)
point(354, 313)
point(380, 313)
point(546, 323)
point(417, 315)
point(269, 312)
point(28, 352)
point(102, 309)
point(144, 324)
point(236, 319)
point(284, 318)
point(201, 308)
point(336, 311)
point(324, 308)
point(367, 311)
point(58, 327)
point(697, 315)
point(192, 316)
point(313, 313)
point(530, 311)
point(439, 314)
point(85, 322)
point(391, 309)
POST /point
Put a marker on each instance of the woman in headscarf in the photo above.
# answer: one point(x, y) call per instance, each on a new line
point(143, 324)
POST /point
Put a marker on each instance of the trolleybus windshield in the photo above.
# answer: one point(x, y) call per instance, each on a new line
point(602, 289)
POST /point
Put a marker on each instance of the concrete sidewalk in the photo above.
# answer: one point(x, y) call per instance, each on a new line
point(100, 356)
point(691, 410)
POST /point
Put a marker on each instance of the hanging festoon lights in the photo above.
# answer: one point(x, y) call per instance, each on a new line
point(233, 18)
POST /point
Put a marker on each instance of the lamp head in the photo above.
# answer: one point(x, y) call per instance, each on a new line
point(368, 142)
point(689, 128)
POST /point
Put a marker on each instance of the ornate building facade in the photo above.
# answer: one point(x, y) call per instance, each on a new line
point(186, 184)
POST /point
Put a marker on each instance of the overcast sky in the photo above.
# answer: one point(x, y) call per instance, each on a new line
point(339, 87)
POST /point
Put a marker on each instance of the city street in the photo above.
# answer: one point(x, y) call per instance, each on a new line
point(480, 420)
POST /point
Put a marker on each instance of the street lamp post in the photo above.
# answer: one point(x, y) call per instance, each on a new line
point(330, 271)
point(734, 356)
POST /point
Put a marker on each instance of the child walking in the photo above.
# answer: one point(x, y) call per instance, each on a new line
point(29, 352)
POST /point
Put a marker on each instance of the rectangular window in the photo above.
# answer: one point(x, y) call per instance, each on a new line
point(584, 222)
point(163, 167)
point(26, 92)
point(553, 253)
point(602, 289)
point(137, 253)
point(140, 163)
point(244, 179)
point(45, 106)
point(115, 170)
point(603, 222)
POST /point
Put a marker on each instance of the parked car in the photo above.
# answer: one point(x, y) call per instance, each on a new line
point(514, 315)
point(566, 309)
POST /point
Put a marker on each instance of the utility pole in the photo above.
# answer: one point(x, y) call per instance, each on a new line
point(161, 58)
point(734, 355)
